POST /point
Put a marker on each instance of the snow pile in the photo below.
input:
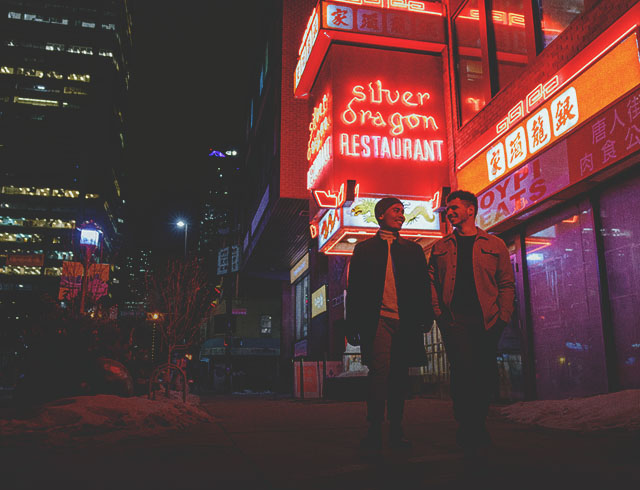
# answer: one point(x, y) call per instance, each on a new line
point(619, 410)
point(105, 418)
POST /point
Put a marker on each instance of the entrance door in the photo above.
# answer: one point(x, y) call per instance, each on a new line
point(566, 323)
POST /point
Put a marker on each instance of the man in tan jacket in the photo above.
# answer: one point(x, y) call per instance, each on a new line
point(472, 294)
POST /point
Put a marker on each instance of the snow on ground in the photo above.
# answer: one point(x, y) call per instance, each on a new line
point(104, 418)
point(619, 410)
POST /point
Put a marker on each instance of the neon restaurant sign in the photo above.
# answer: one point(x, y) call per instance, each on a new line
point(373, 106)
point(382, 127)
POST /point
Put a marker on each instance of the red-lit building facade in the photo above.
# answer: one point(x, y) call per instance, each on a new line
point(531, 104)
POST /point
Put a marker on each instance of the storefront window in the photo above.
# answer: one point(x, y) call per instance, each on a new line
point(303, 307)
point(556, 15)
point(621, 237)
point(511, 40)
point(565, 306)
point(469, 61)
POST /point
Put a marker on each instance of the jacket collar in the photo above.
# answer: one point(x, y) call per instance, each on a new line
point(399, 240)
point(481, 235)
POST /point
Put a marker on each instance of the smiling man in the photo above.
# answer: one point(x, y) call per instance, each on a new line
point(388, 309)
point(472, 294)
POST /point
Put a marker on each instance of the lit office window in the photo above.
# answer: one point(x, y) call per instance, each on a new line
point(92, 196)
point(55, 74)
point(36, 102)
point(65, 193)
point(105, 52)
point(58, 20)
point(14, 15)
point(109, 27)
point(21, 270)
point(80, 50)
point(6, 70)
point(30, 72)
point(26, 191)
point(53, 271)
point(20, 237)
point(88, 25)
point(54, 47)
point(79, 77)
point(74, 91)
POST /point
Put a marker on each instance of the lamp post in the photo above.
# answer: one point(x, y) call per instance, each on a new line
point(185, 225)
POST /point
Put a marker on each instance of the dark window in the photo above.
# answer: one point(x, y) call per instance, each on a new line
point(556, 15)
point(508, 19)
point(495, 39)
point(471, 80)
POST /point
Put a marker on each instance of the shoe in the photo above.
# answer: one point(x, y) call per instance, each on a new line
point(400, 443)
point(373, 440)
point(397, 439)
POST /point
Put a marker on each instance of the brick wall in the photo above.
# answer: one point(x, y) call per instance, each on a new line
point(295, 114)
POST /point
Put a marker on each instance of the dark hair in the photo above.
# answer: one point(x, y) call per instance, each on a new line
point(466, 196)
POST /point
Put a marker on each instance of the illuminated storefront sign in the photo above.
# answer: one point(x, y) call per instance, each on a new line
point(418, 7)
point(308, 41)
point(329, 225)
point(416, 25)
point(559, 116)
point(341, 229)
point(383, 128)
point(300, 268)
point(319, 147)
point(609, 138)
point(319, 301)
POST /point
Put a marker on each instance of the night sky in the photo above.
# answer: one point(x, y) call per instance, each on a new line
point(192, 68)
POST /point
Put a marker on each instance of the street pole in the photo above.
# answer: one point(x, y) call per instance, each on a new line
point(186, 228)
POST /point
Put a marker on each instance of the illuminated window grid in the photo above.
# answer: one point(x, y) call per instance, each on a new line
point(21, 270)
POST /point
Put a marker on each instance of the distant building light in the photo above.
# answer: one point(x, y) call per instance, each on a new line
point(89, 237)
point(216, 153)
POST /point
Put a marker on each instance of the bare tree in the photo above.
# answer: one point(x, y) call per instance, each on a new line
point(179, 293)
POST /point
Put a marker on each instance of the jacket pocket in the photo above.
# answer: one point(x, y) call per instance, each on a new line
point(489, 259)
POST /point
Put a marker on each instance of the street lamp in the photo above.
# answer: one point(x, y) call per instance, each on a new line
point(185, 225)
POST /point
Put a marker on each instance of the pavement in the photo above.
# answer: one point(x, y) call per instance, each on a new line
point(267, 442)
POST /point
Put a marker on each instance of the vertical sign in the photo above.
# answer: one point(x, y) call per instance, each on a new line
point(223, 261)
point(235, 258)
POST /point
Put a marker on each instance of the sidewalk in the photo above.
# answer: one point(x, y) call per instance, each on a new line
point(269, 443)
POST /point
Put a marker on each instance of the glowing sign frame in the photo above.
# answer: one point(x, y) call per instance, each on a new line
point(622, 28)
point(472, 174)
point(317, 39)
point(417, 7)
point(343, 226)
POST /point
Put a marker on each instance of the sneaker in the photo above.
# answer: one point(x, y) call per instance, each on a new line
point(373, 440)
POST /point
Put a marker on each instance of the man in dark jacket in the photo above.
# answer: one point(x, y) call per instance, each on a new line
point(388, 309)
point(473, 293)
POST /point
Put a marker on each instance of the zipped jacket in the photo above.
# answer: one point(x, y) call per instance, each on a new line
point(492, 273)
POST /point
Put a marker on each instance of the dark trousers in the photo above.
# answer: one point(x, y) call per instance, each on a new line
point(388, 374)
point(471, 351)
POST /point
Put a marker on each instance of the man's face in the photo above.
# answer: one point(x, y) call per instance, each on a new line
point(459, 212)
point(393, 218)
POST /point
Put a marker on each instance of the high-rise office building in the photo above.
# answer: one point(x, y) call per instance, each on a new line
point(63, 83)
